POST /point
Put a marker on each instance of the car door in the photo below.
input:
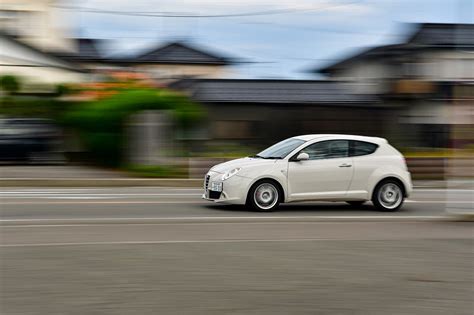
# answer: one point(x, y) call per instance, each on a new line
point(326, 175)
point(364, 163)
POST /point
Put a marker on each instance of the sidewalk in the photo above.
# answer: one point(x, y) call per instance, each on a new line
point(86, 176)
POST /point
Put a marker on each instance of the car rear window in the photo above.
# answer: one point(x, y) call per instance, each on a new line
point(359, 148)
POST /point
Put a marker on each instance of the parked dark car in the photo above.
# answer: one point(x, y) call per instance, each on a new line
point(28, 140)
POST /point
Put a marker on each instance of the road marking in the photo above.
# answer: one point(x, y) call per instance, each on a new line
point(443, 190)
point(175, 242)
point(92, 202)
point(317, 222)
point(196, 201)
point(439, 201)
point(38, 194)
point(228, 218)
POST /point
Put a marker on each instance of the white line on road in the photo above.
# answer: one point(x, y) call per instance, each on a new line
point(39, 194)
point(246, 223)
point(226, 218)
point(197, 201)
point(94, 202)
point(175, 242)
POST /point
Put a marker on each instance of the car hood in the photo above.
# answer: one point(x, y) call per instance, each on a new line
point(244, 163)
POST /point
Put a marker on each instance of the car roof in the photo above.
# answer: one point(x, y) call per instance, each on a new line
point(340, 136)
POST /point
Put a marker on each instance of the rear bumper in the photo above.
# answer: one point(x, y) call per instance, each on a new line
point(408, 184)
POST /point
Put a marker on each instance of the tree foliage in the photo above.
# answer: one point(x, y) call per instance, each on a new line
point(102, 123)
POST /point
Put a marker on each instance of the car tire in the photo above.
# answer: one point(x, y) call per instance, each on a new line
point(264, 196)
point(388, 195)
point(357, 203)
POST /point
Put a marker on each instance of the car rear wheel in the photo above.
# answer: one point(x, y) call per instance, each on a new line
point(264, 196)
point(388, 195)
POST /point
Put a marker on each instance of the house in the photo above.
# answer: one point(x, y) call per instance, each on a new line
point(433, 52)
point(35, 66)
point(177, 60)
point(87, 53)
point(261, 112)
point(41, 25)
point(430, 76)
point(38, 23)
point(29, 29)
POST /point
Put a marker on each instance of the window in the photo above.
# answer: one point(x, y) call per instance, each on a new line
point(281, 149)
point(327, 150)
point(359, 148)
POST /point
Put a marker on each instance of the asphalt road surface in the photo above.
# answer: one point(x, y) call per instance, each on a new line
point(166, 251)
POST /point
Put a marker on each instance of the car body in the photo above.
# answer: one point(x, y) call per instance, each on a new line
point(319, 167)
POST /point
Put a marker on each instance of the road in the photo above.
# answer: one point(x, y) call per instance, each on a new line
point(152, 202)
point(165, 251)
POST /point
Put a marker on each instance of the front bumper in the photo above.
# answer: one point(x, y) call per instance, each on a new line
point(234, 189)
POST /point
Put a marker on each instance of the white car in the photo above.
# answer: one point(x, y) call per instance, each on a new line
point(319, 167)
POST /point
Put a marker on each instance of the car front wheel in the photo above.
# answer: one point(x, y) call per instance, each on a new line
point(388, 195)
point(264, 196)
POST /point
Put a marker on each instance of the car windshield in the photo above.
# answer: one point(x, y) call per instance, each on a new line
point(281, 149)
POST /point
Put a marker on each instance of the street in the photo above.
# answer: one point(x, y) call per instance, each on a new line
point(153, 250)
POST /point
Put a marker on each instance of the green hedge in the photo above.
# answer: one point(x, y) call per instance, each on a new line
point(101, 123)
point(38, 107)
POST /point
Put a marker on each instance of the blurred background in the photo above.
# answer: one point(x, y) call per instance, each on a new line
point(167, 89)
point(112, 111)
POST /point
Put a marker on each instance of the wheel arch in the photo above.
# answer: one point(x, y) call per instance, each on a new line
point(281, 190)
point(390, 177)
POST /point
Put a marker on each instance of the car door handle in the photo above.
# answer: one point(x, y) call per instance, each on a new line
point(345, 165)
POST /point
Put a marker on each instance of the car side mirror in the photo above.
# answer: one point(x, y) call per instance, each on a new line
point(302, 156)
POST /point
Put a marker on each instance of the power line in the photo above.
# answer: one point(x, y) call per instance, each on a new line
point(321, 29)
point(197, 15)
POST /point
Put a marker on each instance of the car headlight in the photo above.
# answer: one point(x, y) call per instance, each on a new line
point(231, 173)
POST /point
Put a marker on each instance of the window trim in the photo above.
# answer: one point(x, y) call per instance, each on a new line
point(293, 158)
point(352, 148)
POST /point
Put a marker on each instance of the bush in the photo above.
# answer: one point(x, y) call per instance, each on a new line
point(10, 84)
point(101, 123)
point(62, 89)
point(33, 107)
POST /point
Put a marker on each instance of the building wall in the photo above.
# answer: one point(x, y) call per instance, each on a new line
point(435, 65)
point(268, 123)
point(447, 66)
point(367, 77)
point(37, 22)
point(167, 71)
point(33, 66)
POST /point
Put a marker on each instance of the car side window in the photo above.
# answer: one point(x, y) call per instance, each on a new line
point(327, 149)
point(359, 148)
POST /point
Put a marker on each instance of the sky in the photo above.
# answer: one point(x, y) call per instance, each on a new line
point(270, 39)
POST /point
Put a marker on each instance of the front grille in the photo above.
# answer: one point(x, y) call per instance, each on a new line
point(214, 194)
point(206, 181)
